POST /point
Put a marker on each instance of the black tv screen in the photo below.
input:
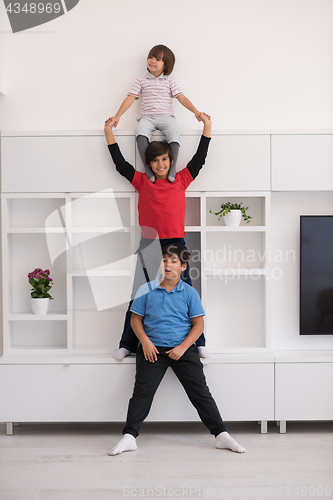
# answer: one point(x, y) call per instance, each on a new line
point(316, 275)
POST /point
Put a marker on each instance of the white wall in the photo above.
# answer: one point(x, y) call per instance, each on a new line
point(252, 64)
point(286, 211)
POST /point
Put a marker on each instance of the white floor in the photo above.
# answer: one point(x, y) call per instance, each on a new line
point(70, 462)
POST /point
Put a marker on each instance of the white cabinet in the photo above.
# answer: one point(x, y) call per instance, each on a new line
point(302, 162)
point(100, 392)
point(62, 164)
point(303, 390)
point(234, 163)
point(81, 163)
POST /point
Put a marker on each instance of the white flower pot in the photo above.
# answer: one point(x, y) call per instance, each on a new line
point(233, 218)
point(39, 306)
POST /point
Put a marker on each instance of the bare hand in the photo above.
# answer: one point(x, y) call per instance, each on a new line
point(109, 123)
point(197, 115)
point(150, 352)
point(204, 117)
point(176, 352)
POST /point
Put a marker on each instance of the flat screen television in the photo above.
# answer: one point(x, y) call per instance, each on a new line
point(316, 275)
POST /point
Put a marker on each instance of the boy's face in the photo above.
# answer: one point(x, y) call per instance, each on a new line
point(172, 267)
point(160, 166)
point(155, 65)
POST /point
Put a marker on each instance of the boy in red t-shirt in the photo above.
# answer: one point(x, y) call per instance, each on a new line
point(161, 212)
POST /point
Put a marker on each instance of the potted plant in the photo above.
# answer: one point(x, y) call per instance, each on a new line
point(232, 213)
point(41, 283)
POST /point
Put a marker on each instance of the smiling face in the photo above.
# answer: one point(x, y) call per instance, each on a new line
point(155, 65)
point(160, 165)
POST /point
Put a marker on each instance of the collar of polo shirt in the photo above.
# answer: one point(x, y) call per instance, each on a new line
point(178, 288)
point(161, 77)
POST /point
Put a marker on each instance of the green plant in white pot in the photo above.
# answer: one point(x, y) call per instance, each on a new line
point(41, 283)
point(232, 213)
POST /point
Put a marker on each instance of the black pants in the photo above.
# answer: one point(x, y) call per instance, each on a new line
point(189, 371)
point(146, 268)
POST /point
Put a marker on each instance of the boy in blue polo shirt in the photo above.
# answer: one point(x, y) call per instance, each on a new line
point(168, 319)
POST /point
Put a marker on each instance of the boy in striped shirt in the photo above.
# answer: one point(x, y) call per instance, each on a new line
point(157, 89)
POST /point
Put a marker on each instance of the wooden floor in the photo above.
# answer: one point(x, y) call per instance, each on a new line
point(70, 462)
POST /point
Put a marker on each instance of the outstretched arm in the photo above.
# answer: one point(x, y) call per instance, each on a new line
point(122, 166)
point(198, 160)
point(108, 126)
point(123, 107)
point(195, 332)
point(188, 105)
point(207, 124)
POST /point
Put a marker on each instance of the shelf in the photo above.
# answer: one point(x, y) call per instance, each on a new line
point(225, 271)
point(36, 230)
point(37, 317)
point(102, 230)
point(236, 229)
point(96, 272)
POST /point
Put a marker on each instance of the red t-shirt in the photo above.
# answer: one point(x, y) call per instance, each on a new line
point(162, 205)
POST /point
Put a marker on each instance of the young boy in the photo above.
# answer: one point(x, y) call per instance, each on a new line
point(161, 209)
point(157, 89)
point(167, 320)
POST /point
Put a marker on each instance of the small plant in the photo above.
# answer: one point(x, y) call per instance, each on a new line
point(41, 284)
point(227, 207)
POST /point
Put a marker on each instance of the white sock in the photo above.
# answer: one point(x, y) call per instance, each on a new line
point(203, 352)
point(121, 354)
point(223, 440)
point(127, 443)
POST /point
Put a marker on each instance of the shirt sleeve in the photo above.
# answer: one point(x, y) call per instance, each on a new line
point(122, 166)
point(175, 88)
point(136, 88)
point(139, 303)
point(195, 308)
point(194, 166)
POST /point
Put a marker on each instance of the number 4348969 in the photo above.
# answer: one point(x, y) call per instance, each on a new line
point(33, 8)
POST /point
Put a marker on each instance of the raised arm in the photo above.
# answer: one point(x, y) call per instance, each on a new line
point(196, 163)
point(149, 350)
point(123, 107)
point(122, 166)
point(207, 124)
point(108, 126)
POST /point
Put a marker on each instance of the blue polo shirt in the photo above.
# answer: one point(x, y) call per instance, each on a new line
point(167, 315)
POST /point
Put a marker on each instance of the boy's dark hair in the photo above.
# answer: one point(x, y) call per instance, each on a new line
point(175, 249)
point(157, 148)
point(168, 57)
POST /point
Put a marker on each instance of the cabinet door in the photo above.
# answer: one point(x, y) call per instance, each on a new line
point(303, 391)
point(62, 164)
point(92, 393)
point(302, 162)
point(234, 163)
point(243, 391)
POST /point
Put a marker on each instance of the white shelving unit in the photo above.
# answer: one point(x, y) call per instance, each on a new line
point(57, 231)
point(56, 363)
point(88, 242)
